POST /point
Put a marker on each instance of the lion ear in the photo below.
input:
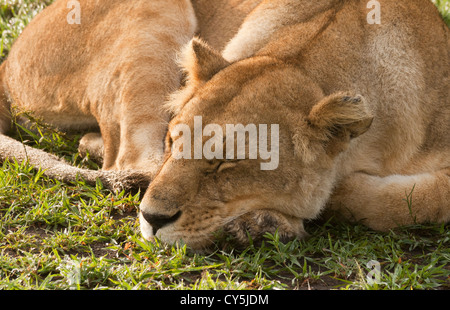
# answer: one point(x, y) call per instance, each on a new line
point(201, 62)
point(342, 112)
point(339, 118)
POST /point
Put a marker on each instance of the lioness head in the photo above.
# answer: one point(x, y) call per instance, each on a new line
point(210, 184)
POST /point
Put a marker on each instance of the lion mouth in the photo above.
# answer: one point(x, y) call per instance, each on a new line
point(238, 232)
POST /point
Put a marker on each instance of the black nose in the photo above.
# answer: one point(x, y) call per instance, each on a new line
point(158, 221)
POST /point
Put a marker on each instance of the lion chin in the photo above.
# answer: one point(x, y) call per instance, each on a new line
point(238, 233)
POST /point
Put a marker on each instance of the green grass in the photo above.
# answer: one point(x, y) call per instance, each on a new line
point(74, 236)
point(444, 8)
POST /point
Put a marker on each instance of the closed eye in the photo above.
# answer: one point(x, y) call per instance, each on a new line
point(217, 167)
point(226, 165)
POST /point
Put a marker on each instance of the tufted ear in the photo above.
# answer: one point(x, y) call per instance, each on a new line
point(201, 61)
point(341, 112)
point(337, 119)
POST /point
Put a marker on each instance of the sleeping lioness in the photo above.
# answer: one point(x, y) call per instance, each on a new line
point(364, 120)
point(361, 108)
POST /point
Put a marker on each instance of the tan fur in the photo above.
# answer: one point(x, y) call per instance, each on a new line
point(363, 109)
point(364, 116)
point(113, 70)
point(219, 20)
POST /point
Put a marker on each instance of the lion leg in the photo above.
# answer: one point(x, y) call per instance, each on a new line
point(142, 144)
point(135, 140)
point(383, 203)
point(92, 143)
